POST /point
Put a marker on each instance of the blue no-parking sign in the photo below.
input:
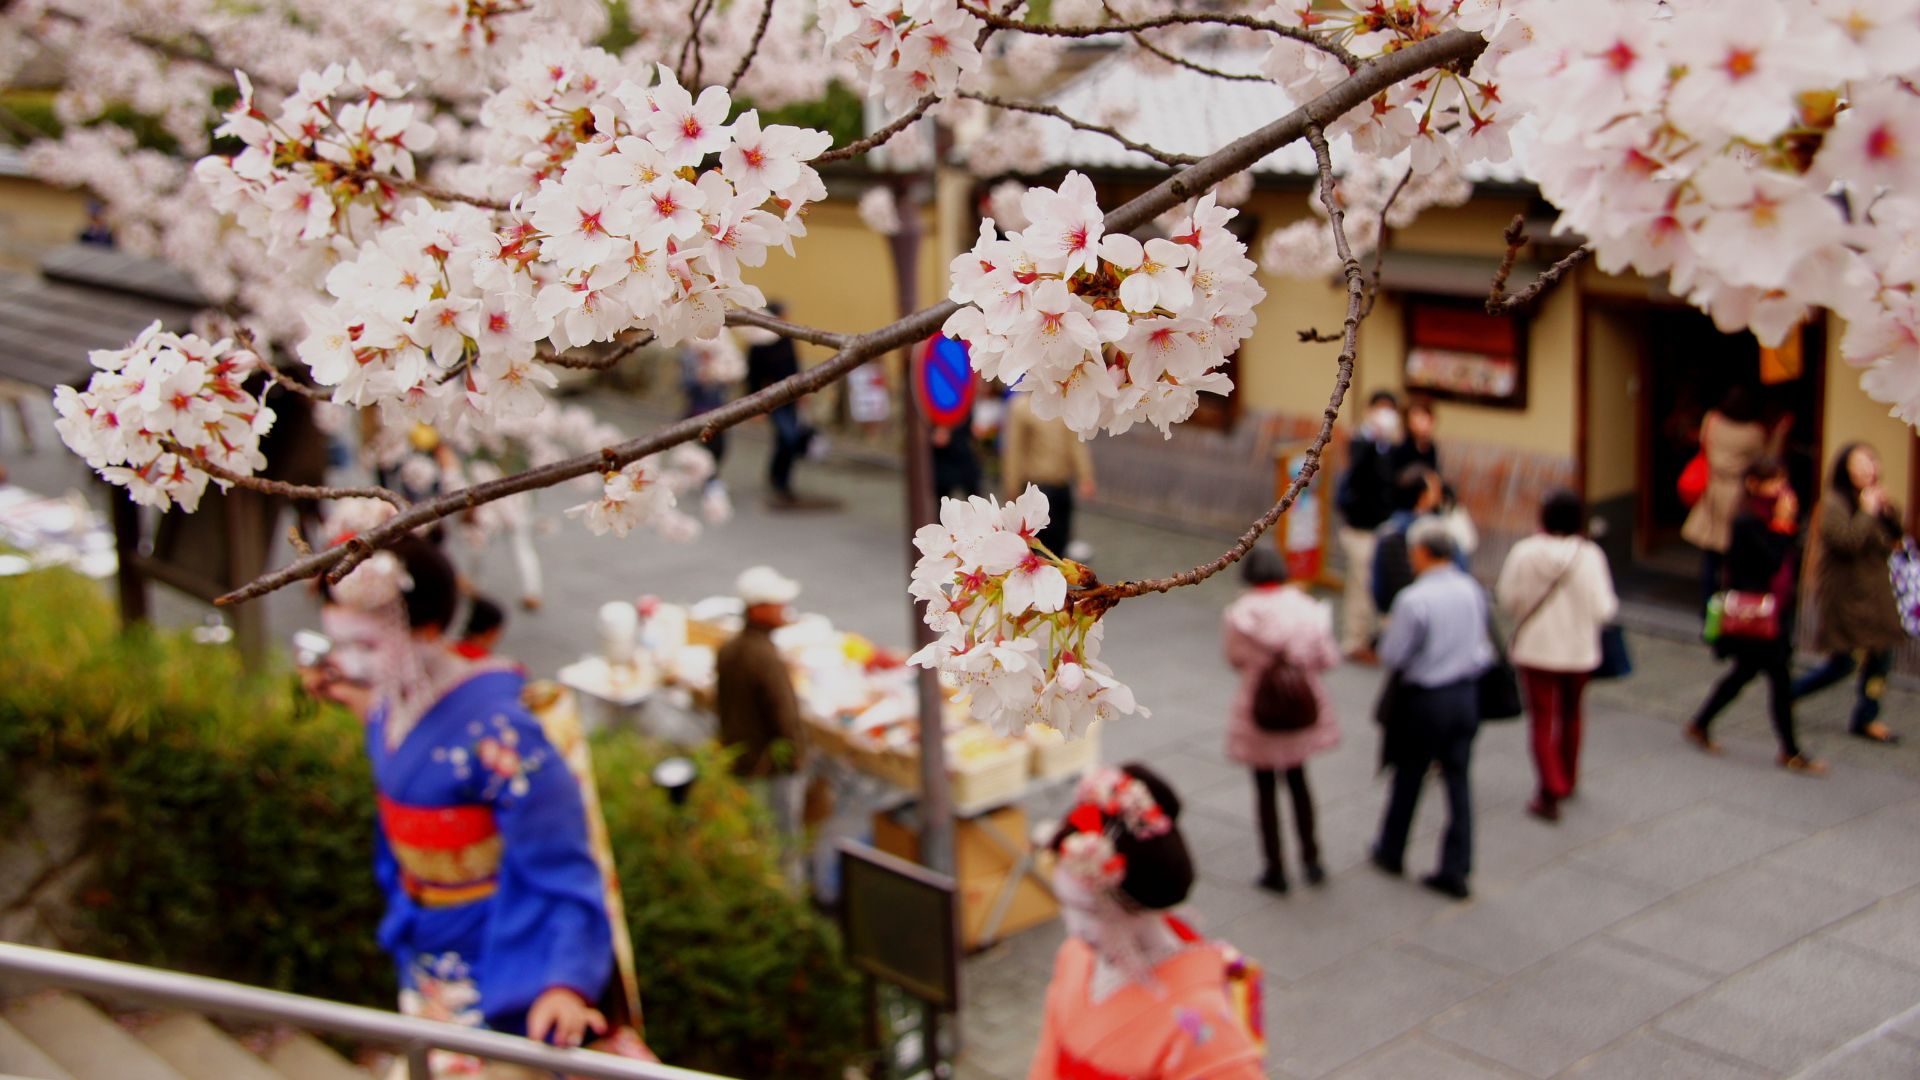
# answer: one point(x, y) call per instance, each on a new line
point(943, 380)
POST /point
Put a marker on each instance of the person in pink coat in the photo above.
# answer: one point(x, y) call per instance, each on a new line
point(1272, 617)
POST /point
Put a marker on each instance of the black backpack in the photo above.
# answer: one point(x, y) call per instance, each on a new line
point(1283, 697)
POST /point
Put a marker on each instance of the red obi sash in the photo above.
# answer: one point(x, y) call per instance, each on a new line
point(448, 855)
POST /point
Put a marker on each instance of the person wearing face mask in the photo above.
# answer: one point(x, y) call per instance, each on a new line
point(495, 904)
point(1763, 555)
point(1365, 499)
point(1137, 994)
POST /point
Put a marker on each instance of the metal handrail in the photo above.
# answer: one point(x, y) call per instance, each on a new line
point(415, 1036)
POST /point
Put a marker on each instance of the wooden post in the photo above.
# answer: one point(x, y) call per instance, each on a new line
point(132, 582)
point(246, 560)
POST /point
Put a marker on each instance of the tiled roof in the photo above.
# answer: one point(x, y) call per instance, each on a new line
point(1182, 111)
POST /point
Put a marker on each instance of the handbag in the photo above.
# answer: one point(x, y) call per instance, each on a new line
point(1499, 686)
point(1283, 698)
point(1749, 616)
point(1615, 661)
point(1693, 480)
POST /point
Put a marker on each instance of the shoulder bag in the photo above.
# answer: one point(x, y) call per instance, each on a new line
point(1500, 683)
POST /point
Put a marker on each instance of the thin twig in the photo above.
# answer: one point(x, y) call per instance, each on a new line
point(753, 47)
point(1380, 242)
point(1240, 154)
point(603, 362)
point(796, 331)
point(277, 487)
point(1161, 156)
point(422, 189)
point(1498, 302)
point(1102, 597)
point(1181, 61)
point(1172, 18)
point(878, 138)
point(288, 382)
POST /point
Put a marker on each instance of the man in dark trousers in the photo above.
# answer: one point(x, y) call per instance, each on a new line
point(758, 711)
point(771, 358)
point(1436, 646)
point(1365, 500)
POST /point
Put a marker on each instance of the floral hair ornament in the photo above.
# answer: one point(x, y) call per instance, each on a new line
point(379, 582)
point(1109, 801)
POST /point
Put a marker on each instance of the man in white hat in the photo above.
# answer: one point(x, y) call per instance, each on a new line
point(759, 714)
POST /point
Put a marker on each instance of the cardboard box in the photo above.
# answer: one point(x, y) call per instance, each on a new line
point(981, 867)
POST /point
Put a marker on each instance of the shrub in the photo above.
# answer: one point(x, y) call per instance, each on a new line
point(232, 831)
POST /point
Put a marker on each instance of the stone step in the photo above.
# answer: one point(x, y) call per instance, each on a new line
point(194, 1047)
point(19, 1057)
point(300, 1056)
point(83, 1041)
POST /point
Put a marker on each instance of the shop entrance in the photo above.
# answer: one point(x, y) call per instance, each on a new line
point(1653, 372)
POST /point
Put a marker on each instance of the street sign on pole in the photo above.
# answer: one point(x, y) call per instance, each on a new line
point(943, 381)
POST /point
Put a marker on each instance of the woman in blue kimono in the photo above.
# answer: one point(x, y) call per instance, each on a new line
point(495, 911)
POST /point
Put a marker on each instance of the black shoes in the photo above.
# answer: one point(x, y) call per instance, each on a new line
point(1447, 886)
point(1315, 875)
point(1274, 881)
point(1386, 866)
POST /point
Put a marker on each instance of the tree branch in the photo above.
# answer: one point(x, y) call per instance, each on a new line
point(797, 331)
point(1172, 18)
point(1498, 302)
point(1373, 77)
point(1181, 61)
point(1161, 156)
point(423, 189)
point(1103, 597)
point(879, 138)
point(277, 487)
point(753, 47)
point(603, 362)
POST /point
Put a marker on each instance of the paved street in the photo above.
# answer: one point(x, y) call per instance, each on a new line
point(1690, 917)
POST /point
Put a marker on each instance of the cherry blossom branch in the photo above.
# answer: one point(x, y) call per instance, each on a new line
point(1314, 336)
point(288, 382)
point(1498, 302)
point(1171, 18)
point(1196, 179)
point(753, 47)
point(797, 331)
point(1102, 597)
point(277, 487)
point(1161, 156)
point(1181, 61)
point(423, 189)
point(603, 362)
point(879, 137)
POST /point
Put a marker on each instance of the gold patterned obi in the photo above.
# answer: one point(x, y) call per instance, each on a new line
point(448, 855)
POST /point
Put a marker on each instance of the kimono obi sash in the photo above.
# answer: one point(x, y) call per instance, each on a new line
point(448, 855)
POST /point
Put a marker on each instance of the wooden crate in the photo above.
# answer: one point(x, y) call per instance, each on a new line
point(981, 869)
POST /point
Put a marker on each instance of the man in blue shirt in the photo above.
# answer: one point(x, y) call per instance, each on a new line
point(1436, 645)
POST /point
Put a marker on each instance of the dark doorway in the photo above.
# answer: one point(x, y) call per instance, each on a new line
point(1689, 367)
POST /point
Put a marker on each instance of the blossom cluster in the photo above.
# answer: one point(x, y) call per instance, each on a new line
point(325, 166)
point(1008, 632)
point(1765, 155)
point(904, 49)
point(454, 38)
point(647, 492)
point(160, 405)
point(552, 97)
point(1104, 330)
point(440, 314)
point(1444, 116)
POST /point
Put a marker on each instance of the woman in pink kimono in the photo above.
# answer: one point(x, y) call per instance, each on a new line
point(1136, 994)
point(1271, 619)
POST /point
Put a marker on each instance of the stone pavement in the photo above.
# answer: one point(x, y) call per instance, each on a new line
point(1689, 917)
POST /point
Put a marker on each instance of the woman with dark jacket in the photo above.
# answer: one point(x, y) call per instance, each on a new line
point(1762, 555)
point(1859, 622)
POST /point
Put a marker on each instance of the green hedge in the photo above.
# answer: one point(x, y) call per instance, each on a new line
point(232, 825)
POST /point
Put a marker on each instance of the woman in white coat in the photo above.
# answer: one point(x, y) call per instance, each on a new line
point(1269, 619)
point(1556, 585)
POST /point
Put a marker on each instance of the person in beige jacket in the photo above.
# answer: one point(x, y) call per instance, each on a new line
point(1048, 455)
point(1732, 438)
point(1557, 585)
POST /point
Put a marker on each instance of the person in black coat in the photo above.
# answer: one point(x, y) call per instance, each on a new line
point(769, 362)
point(1763, 557)
point(1364, 497)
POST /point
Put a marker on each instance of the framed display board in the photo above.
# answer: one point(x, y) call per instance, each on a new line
point(901, 924)
point(1457, 351)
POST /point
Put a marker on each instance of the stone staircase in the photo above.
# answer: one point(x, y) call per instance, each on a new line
point(55, 1035)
